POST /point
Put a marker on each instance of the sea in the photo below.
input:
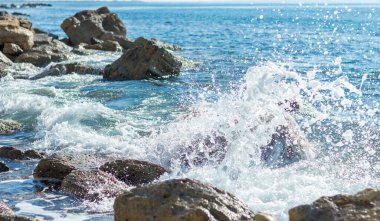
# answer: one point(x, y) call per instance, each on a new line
point(240, 62)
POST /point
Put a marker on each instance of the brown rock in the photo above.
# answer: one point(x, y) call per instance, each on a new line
point(43, 54)
point(89, 24)
point(145, 60)
point(54, 169)
point(11, 153)
point(263, 217)
point(105, 46)
point(179, 200)
point(133, 172)
point(32, 154)
point(12, 49)
point(15, 30)
point(92, 185)
point(3, 168)
point(363, 206)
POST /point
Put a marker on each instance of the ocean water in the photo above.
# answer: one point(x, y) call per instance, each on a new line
point(243, 61)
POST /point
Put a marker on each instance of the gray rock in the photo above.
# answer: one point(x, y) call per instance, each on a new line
point(363, 206)
point(3, 168)
point(43, 54)
point(145, 60)
point(9, 126)
point(89, 24)
point(12, 49)
point(92, 185)
point(53, 169)
point(133, 172)
point(15, 30)
point(181, 199)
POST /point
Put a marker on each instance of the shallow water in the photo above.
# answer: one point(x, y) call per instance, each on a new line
point(251, 57)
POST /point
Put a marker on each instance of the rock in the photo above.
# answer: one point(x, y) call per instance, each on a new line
point(3, 168)
point(69, 68)
point(364, 205)
point(92, 185)
point(20, 14)
point(263, 217)
point(4, 59)
point(5, 210)
point(16, 154)
point(43, 54)
point(89, 24)
point(105, 46)
point(133, 172)
point(12, 49)
point(39, 31)
point(7, 214)
point(32, 154)
point(145, 60)
point(53, 169)
point(181, 199)
point(15, 30)
point(165, 45)
point(11, 153)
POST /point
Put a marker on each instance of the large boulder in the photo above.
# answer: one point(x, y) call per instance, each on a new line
point(85, 26)
point(92, 185)
point(146, 59)
point(53, 169)
point(9, 126)
point(363, 206)
point(179, 200)
point(15, 30)
point(133, 172)
point(45, 53)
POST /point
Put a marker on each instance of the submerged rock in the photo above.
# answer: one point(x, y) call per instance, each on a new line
point(181, 199)
point(133, 172)
point(9, 126)
point(15, 30)
point(145, 60)
point(364, 205)
point(86, 25)
point(53, 169)
point(92, 185)
point(3, 167)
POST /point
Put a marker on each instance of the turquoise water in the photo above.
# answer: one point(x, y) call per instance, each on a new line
point(244, 60)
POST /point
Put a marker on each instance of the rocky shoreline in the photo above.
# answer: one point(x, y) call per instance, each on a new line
point(135, 185)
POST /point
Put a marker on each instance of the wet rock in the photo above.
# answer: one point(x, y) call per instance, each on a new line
point(53, 169)
point(181, 199)
point(12, 49)
point(7, 214)
point(15, 30)
point(100, 24)
point(133, 172)
point(92, 185)
point(263, 217)
point(11, 153)
point(44, 54)
point(145, 60)
point(68, 68)
point(165, 45)
point(20, 14)
point(364, 205)
point(34, 5)
point(3, 167)
point(16, 154)
point(4, 59)
point(104, 46)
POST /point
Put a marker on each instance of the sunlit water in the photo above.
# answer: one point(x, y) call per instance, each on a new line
point(251, 57)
